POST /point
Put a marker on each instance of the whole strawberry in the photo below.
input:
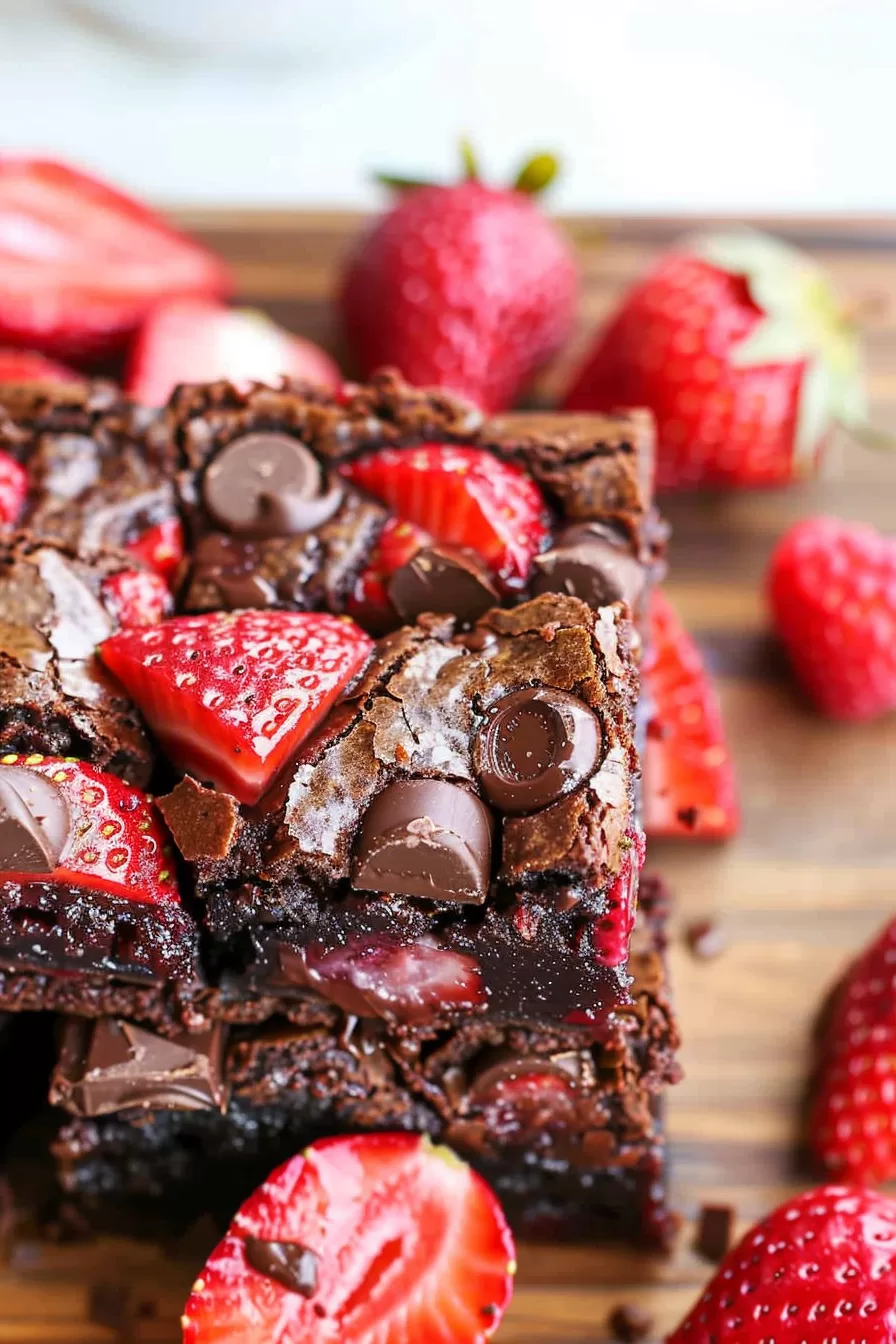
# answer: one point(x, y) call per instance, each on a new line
point(736, 343)
point(852, 1123)
point(818, 1270)
point(832, 587)
point(466, 287)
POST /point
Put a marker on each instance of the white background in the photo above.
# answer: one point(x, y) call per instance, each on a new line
point(656, 104)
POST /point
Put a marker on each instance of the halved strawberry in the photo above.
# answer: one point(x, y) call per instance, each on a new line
point(161, 547)
point(231, 696)
point(370, 1239)
point(26, 366)
point(393, 979)
point(13, 489)
point(199, 341)
point(370, 603)
point(613, 929)
point(137, 597)
point(461, 497)
point(689, 786)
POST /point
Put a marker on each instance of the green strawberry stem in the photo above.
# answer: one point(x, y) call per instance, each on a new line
point(468, 160)
point(537, 174)
point(534, 177)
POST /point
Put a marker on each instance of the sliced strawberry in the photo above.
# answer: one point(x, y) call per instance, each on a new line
point(370, 1239)
point(689, 786)
point(117, 842)
point(370, 603)
point(13, 489)
point(161, 547)
point(614, 928)
point(194, 341)
point(231, 696)
point(25, 366)
point(461, 497)
point(81, 264)
point(137, 597)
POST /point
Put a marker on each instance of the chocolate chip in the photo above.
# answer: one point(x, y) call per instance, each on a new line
point(202, 822)
point(536, 745)
point(705, 939)
point(441, 579)
point(425, 838)
point(267, 485)
point(34, 821)
point(290, 1264)
point(714, 1228)
point(110, 1065)
point(630, 1323)
point(589, 562)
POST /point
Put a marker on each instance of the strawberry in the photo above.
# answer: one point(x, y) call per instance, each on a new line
point(116, 840)
point(161, 547)
point(13, 489)
point(820, 1269)
point(689, 786)
point(614, 928)
point(231, 696)
point(466, 287)
point(199, 341)
point(81, 264)
point(137, 597)
point(737, 345)
point(375, 1237)
point(396, 980)
point(832, 588)
point(370, 603)
point(852, 1125)
point(462, 497)
point(24, 366)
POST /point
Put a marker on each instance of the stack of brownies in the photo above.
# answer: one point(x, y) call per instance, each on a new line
point(411, 905)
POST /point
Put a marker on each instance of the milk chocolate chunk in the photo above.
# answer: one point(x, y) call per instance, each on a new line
point(267, 485)
point(203, 822)
point(287, 1262)
point(427, 838)
point(34, 821)
point(442, 579)
point(588, 562)
point(110, 1065)
point(536, 745)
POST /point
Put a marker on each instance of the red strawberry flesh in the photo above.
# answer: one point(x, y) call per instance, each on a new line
point(407, 1244)
point(161, 547)
point(13, 489)
point(231, 696)
point(137, 597)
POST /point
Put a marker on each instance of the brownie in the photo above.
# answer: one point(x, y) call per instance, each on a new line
point(56, 698)
point(94, 478)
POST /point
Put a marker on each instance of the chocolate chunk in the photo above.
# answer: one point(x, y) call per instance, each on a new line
point(425, 837)
point(35, 821)
point(110, 1065)
point(442, 579)
point(630, 1323)
point(267, 485)
point(536, 745)
point(705, 939)
point(229, 567)
point(286, 1262)
point(714, 1228)
point(202, 822)
point(589, 562)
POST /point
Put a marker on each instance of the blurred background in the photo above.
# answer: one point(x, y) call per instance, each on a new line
point(700, 105)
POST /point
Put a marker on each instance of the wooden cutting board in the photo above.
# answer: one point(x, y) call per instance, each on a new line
point(812, 875)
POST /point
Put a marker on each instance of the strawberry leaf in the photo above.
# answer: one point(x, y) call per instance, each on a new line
point(469, 161)
point(537, 174)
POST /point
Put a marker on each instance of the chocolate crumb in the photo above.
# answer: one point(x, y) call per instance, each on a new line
point(689, 816)
point(202, 821)
point(630, 1323)
point(287, 1262)
point(705, 939)
point(319, 1310)
point(713, 1240)
point(490, 1311)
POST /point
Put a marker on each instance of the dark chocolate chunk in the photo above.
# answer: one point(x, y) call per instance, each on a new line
point(588, 562)
point(630, 1323)
point(267, 485)
point(442, 579)
point(110, 1065)
point(536, 745)
point(202, 822)
point(230, 567)
point(286, 1262)
point(705, 939)
point(714, 1229)
point(34, 821)
point(425, 837)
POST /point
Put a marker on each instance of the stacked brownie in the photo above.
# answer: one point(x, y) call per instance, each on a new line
point(427, 919)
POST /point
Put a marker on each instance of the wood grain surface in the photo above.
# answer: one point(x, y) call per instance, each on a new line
point(812, 875)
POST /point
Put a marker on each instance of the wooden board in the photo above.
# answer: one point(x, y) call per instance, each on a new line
point(810, 878)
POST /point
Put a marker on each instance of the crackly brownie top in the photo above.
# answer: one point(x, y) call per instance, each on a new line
point(55, 695)
point(503, 754)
